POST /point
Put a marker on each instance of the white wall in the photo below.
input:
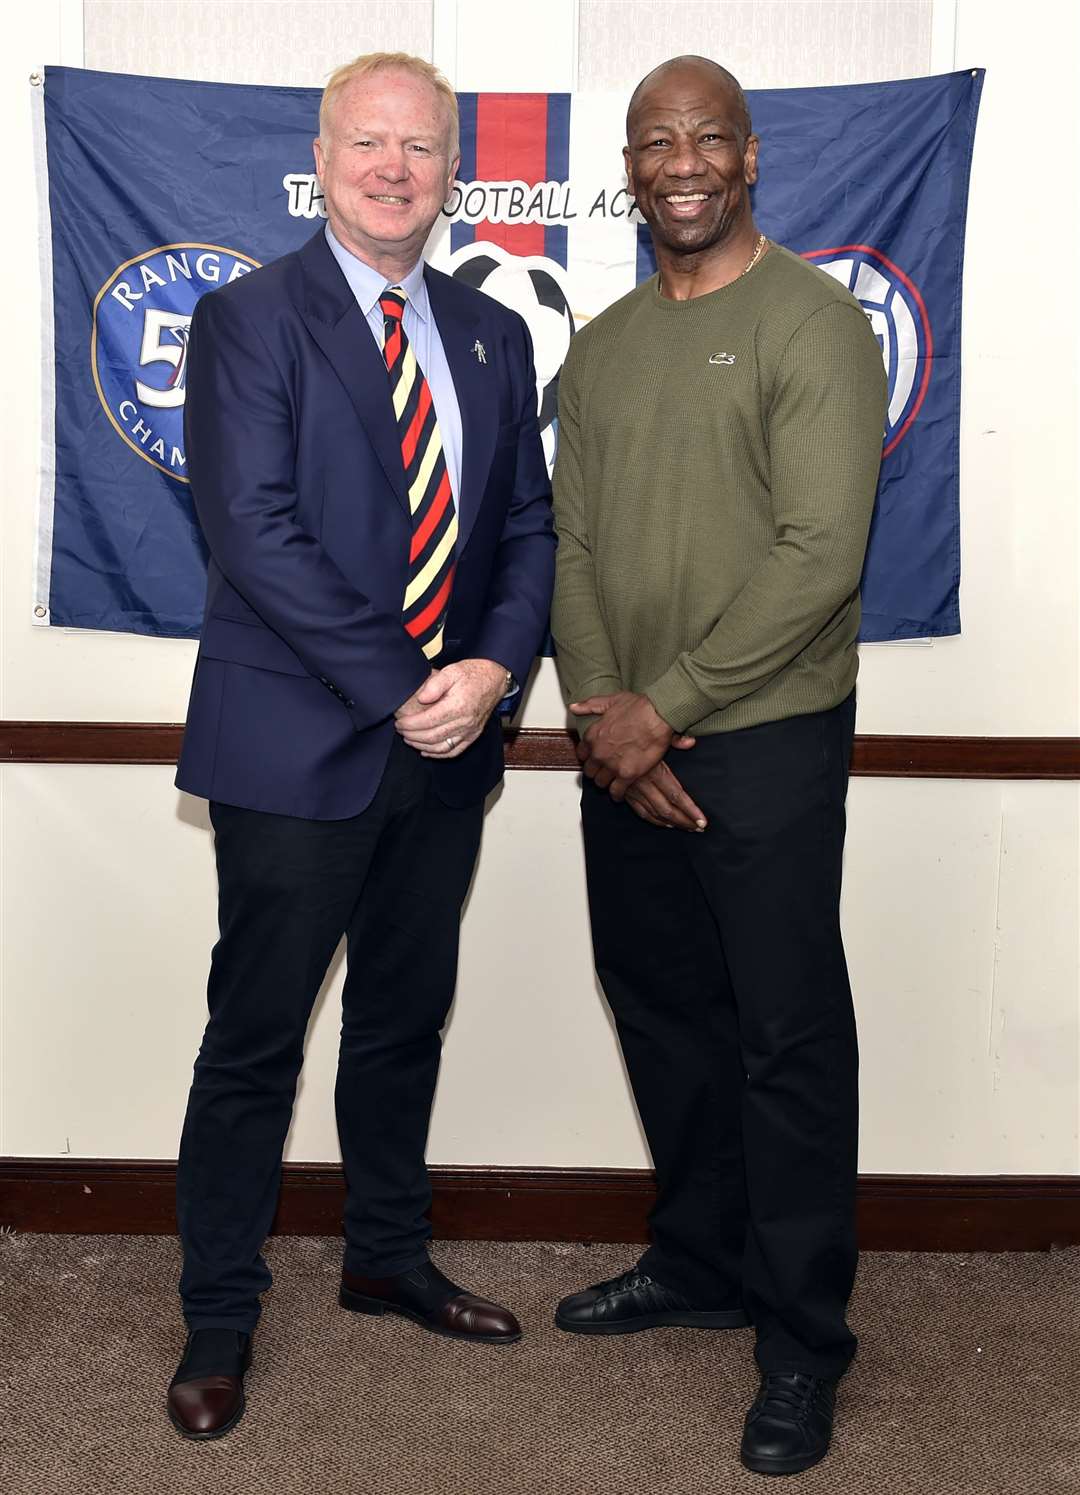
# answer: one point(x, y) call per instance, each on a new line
point(961, 902)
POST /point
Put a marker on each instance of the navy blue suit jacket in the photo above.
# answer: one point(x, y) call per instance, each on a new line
point(297, 478)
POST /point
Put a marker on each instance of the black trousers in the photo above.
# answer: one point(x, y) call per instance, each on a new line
point(720, 955)
point(392, 880)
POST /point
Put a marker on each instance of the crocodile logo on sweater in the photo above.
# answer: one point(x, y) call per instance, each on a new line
point(722, 358)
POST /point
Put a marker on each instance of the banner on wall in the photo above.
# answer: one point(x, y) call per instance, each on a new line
point(160, 190)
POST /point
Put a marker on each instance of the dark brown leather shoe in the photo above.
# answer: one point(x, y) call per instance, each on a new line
point(428, 1298)
point(206, 1396)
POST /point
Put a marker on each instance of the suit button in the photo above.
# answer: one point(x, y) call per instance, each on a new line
point(323, 680)
point(350, 703)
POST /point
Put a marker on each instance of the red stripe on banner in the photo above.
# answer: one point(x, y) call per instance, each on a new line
point(423, 621)
point(438, 505)
point(412, 435)
point(511, 145)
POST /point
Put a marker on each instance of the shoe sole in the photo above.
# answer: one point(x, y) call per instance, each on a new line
point(795, 1465)
point(358, 1303)
point(731, 1318)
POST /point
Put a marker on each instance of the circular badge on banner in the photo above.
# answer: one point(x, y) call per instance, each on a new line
point(138, 345)
point(898, 316)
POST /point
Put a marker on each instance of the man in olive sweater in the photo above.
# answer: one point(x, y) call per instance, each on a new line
point(719, 440)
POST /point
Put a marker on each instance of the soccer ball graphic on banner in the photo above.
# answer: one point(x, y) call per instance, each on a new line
point(534, 288)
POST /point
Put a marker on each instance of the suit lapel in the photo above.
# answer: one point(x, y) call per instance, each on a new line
point(476, 387)
point(341, 330)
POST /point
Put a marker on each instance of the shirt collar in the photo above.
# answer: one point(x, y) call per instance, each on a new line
point(367, 285)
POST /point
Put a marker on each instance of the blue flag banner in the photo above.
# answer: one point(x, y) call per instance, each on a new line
point(160, 190)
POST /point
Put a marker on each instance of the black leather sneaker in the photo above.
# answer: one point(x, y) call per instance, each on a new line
point(634, 1301)
point(790, 1424)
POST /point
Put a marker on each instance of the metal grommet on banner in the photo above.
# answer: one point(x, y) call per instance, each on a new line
point(39, 612)
point(37, 79)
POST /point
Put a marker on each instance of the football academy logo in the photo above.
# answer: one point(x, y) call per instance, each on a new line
point(138, 346)
point(898, 316)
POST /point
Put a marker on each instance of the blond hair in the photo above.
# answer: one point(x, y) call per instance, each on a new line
point(400, 62)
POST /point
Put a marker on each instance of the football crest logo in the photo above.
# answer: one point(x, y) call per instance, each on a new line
point(897, 314)
point(138, 345)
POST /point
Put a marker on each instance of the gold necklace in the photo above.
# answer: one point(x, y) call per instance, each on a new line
point(759, 249)
point(762, 241)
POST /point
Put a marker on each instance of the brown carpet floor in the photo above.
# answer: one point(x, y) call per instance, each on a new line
point(968, 1383)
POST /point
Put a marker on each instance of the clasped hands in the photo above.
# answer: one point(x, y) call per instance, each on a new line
point(623, 753)
point(449, 711)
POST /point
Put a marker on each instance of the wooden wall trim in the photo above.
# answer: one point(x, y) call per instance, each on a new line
point(896, 1212)
point(551, 748)
point(90, 742)
point(967, 757)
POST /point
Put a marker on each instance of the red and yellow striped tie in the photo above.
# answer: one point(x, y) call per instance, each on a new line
point(434, 517)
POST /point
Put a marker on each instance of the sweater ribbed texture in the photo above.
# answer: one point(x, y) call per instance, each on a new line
point(713, 515)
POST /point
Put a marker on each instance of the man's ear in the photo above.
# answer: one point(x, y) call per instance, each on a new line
point(452, 175)
point(316, 146)
point(629, 165)
point(750, 161)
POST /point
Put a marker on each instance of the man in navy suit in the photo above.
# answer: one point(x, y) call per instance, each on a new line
point(367, 469)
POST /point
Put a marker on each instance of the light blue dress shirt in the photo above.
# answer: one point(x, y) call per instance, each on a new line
point(367, 285)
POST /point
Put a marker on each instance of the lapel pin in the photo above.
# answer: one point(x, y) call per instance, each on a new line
point(478, 349)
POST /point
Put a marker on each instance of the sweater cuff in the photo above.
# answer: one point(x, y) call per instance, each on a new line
point(678, 700)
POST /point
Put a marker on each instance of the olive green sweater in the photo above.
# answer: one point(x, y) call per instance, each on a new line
point(715, 477)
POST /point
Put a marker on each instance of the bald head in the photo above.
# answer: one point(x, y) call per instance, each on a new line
point(686, 67)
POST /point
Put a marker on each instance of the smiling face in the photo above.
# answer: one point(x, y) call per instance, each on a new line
point(385, 166)
point(690, 158)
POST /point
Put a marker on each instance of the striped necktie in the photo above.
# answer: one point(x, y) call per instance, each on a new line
point(431, 504)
